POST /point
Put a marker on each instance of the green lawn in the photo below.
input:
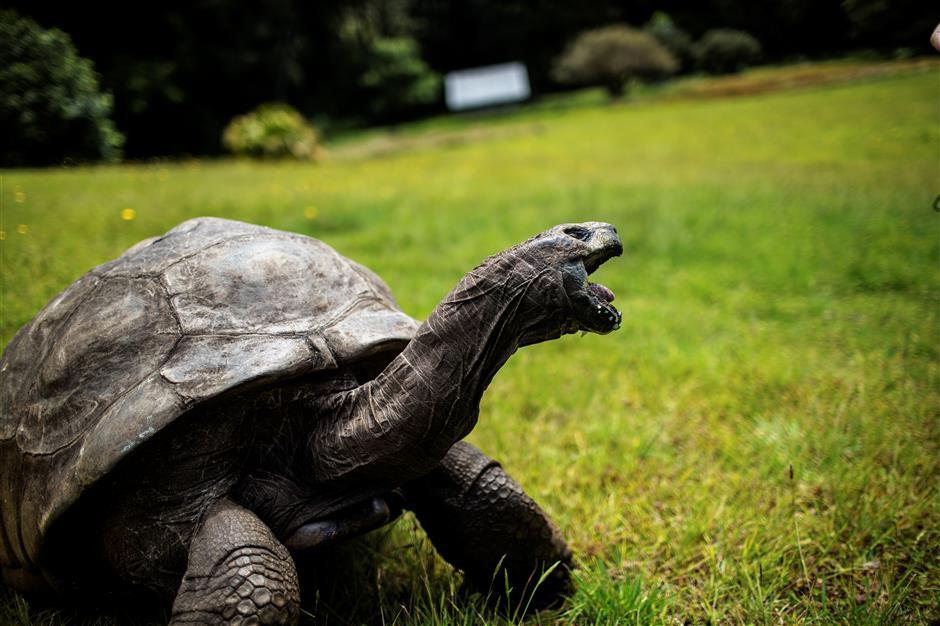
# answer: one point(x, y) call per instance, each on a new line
point(759, 443)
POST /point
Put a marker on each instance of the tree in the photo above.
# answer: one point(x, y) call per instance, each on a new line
point(677, 41)
point(390, 76)
point(51, 107)
point(397, 78)
point(725, 51)
point(611, 56)
point(886, 25)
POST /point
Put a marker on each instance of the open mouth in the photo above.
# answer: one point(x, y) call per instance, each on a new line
point(605, 317)
point(593, 311)
point(593, 301)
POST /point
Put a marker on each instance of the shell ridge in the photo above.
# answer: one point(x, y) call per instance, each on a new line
point(208, 246)
point(321, 346)
point(368, 276)
point(161, 279)
point(362, 298)
point(169, 356)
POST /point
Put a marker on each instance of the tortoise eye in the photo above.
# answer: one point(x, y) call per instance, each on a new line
point(578, 232)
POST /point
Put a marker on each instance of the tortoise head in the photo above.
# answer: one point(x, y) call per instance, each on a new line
point(556, 265)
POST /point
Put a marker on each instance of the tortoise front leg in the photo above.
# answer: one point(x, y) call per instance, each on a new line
point(479, 519)
point(237, 571)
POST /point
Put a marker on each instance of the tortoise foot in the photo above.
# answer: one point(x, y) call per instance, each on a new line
point(238, 573)
point(482, 522)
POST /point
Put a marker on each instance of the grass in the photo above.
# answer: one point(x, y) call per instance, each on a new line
point(759, 443)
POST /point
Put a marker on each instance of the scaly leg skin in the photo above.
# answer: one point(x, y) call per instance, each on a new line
point(476, 516)
point(238, 573)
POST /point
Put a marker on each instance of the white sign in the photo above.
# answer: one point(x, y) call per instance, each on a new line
point(486, 86)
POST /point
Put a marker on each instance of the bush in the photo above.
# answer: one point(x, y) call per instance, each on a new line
point(676, 40)
point(724, 51)
point(396, 78)
point(51, 107)
point(272, 131)
point(611, 56)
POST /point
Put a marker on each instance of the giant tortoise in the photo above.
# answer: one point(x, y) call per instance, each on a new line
point(183, 419)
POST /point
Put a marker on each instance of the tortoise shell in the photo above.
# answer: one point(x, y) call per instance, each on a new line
point(210, 308)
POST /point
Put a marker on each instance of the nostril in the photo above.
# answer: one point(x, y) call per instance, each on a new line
point(578, 232)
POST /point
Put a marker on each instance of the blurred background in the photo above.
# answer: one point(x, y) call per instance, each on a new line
point(174, 75)
point(760, 441)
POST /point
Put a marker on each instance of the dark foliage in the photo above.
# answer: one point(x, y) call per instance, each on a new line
point(894, 24)
point(51, 107)
point(181, 71)
point(725, 51)
point(676, 40)
point(391, 77)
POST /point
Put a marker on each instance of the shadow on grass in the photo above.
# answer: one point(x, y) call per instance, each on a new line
point(393, 577)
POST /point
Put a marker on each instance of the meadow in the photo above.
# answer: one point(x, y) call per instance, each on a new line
point(758, 444)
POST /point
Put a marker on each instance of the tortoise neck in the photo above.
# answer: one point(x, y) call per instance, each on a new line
point(403, 422)
point(458, 350)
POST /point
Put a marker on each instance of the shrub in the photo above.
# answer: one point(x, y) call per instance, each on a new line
point(396, 78)
point(51, 107)
point(676, 40)
point(272, 131)
point(724, 51)
point(611, 56)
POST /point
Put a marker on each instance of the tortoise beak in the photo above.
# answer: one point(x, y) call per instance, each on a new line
point(603, 245)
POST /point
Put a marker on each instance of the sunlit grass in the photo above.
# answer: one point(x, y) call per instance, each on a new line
point(759, 443)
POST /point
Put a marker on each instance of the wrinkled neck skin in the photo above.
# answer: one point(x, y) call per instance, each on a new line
point(399, 425)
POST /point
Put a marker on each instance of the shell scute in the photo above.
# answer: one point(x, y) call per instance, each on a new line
point(202, 367)
point(269, 284)
point(153, 256)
